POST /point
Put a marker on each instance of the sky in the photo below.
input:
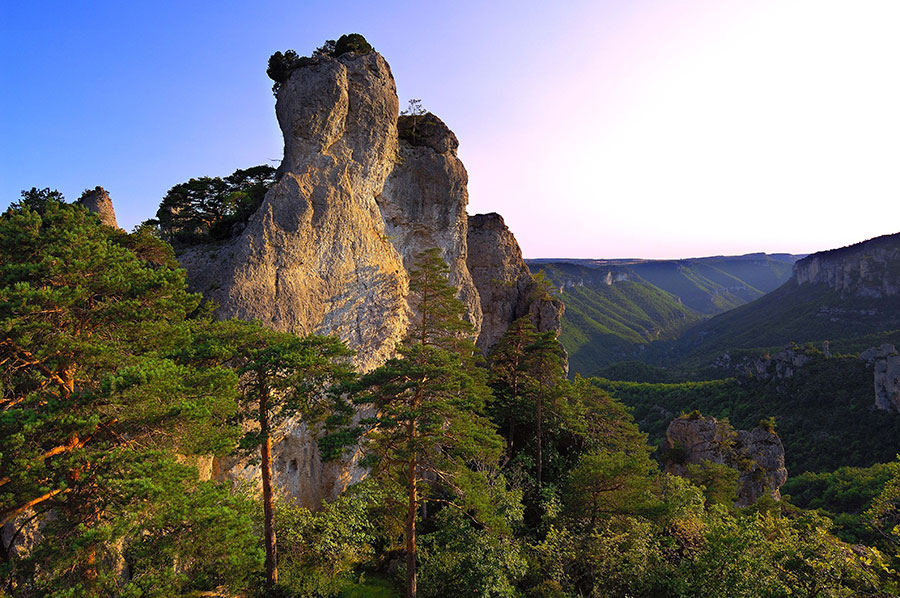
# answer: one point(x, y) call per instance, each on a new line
point(598, 129)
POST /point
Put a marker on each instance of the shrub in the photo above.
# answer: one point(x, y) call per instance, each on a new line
point(352, 42)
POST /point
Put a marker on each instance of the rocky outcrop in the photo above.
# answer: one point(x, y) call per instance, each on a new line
point(505, 284)
point(757, 455)
point(424, 200)
point(97, 201)
point(867, 269)
point(330, 247)
point(315, 257)
point(297, 467)
point(767, 366)
point(885, 362)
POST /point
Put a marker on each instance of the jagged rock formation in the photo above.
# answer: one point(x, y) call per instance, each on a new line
point(504, 282)
point(779, 366)
point(885, 362)
point(97, 201)
point(424, 200)
point(866, 269)
point(757, 455)
point(329, 249)
point(315, 257)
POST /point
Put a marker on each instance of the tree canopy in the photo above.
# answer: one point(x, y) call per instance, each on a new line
point(212, 208)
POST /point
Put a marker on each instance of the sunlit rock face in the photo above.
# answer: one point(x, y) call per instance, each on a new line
point(97, 201)
point(504, 282)
point(330, 248)
point(424, 202)
point(315, 257)
point(757, 455)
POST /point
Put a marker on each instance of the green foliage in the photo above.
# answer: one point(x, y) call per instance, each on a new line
point(606, 483)
point(718, 481)
point(425, 436)
point(319, 550)
point(824, 411)
point(172, 534)
point(212, 208)
point(37, 199)
point(96, 399)
point(461, 558)
point(843, 495)
point(281, 66)
point(352, 42)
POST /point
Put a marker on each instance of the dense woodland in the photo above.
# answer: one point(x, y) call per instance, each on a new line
point(494, 476)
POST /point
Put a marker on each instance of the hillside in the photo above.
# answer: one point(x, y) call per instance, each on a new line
point(611, 314)
point(616, 308)
point(835, 295)
point(825, 411)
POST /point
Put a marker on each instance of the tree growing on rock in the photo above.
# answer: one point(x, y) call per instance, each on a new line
point(212, 208)
point(283, 376)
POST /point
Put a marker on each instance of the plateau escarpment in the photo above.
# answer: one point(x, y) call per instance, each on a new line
point(867, 269)
point(330, 247)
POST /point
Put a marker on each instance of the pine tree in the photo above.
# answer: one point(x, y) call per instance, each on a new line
point(509, 378)
point(282, 376)
point(545, 363)
point(427, 424)
point(90, 379)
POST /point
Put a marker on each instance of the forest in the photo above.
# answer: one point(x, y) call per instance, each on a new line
point(486, 476)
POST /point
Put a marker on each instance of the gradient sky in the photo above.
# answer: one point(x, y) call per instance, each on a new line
point(635, 128)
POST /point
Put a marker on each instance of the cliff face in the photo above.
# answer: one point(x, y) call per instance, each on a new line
point(867, 269)
point(424, 200)
point(315, 257)
point(329, 249)
point(779, 366)
point(757, 455)
point(885, 363)
point(504, 282)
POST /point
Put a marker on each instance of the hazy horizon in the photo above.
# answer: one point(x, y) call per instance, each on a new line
point(597, 130)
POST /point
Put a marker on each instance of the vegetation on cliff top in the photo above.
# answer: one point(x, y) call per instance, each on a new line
point(281, 65)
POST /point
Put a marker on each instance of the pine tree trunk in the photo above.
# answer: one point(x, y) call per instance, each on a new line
point(411, 531)
point(265, 449)
point(540, 455)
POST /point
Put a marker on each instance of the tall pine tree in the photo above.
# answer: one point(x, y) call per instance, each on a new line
point(427, 426)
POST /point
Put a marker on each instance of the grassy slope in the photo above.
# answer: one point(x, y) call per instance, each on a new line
point(605, 323)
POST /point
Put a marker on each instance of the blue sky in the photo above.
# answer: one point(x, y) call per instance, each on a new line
point(598, 129)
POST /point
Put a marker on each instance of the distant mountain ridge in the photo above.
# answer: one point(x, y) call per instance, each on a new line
point(837, 294)
point(616, 307)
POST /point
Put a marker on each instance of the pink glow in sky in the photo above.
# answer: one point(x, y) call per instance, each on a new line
point(636, 128)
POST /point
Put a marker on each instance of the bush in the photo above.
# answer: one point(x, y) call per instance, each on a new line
point(352, 42)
